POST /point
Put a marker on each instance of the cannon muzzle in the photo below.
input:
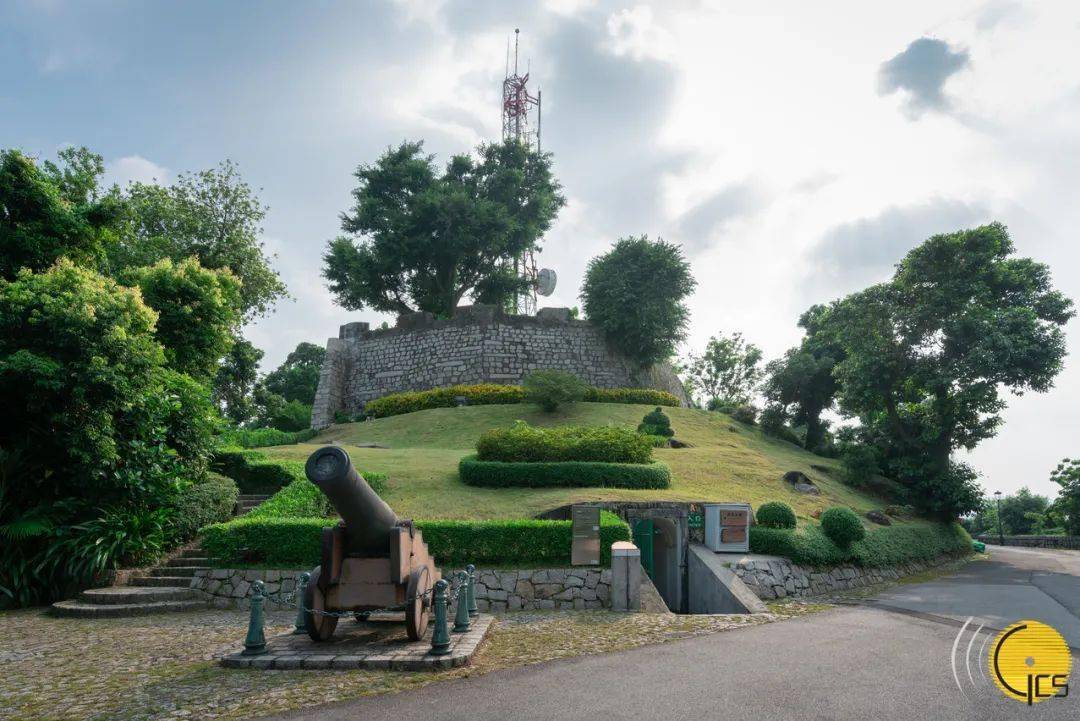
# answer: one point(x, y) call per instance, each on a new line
point(368, 520)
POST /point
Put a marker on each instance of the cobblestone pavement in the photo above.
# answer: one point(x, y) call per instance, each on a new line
point(164, 667)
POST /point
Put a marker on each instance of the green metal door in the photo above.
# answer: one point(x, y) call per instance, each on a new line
point(643, 539)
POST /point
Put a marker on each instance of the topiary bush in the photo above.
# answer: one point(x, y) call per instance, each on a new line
point(551, 388)
point(200, 504)
point(525, 443)
point(566, 474)
point(842, 526)
point(656, 423)
point(295, 542)
point(776, 514)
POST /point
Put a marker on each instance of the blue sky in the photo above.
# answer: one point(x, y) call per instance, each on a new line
point(795, 150)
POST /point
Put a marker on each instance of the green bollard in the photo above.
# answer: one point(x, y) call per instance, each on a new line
point(301, 618)
point(461, 609)
point(471, 570)
point(255, 643)
point(440, 637)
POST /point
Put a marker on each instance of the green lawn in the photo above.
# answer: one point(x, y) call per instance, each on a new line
point(729, 462)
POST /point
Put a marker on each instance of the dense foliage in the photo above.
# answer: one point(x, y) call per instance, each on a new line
point(200, 504)
point(1022, 513)
point(234, 384)
point(525, 443)
point(635, 294)
point(563, 474)
point(889, 546)
point(297, 378)
point(776, 514)
point(550, 389)
point(262, 437)
point(656, 423)
point(295, 542)
point(640, 396)
point(418, 240)
point(1067, 504)
point(842, 526)
point(727, 372)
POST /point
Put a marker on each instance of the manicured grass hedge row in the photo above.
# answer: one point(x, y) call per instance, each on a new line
point(566, 474)
point(396, 404)
point(525, 443)
point(254, 472)
point(882, 547)
point(294, 542)
point(261, 437)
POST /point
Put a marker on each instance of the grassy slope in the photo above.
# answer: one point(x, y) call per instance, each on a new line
point(729, 462)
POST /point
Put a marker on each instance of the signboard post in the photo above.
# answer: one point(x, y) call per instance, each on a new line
point(585, 532)
point(727, 527)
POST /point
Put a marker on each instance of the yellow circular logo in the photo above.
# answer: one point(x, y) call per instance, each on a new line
point(1030, 662)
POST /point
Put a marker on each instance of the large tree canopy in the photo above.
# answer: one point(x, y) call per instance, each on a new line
point(298, 377)
point(421, 240)
point(927, 353)
point(635, 293)
point(727, 372)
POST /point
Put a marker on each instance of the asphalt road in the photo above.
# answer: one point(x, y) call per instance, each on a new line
point(854, 662)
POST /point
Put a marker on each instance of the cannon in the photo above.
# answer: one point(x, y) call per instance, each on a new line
point(371, 560)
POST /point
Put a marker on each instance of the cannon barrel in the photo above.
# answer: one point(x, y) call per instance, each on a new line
point(368, 520)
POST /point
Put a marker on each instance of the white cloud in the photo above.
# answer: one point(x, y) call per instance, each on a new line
point(135, 169)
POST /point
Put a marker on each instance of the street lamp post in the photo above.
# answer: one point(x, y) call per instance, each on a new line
point(1001, 529)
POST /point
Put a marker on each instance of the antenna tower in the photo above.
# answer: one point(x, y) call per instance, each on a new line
point(521, 122)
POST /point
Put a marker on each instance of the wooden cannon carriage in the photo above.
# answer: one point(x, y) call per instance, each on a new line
point(371, 561)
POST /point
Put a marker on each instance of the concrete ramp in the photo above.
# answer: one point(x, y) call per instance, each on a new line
point(714, 588)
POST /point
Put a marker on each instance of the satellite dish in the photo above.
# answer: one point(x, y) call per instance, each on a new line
point(545, 281)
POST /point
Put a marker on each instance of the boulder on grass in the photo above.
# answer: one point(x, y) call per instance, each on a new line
point(879, 518)
point(801, 482)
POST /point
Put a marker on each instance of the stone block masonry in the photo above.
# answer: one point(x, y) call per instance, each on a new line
point(480, 344)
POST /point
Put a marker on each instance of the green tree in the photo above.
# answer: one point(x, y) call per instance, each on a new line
point(51, 212)
point(1019, 512)
point(635, 293)
point(197, 312)
point(212, 215)
point(235, 381)
point(297, 378)
point(927, 352)
point(727, 372)
point(802, 383)
point(1067, 475)
point(418, 240)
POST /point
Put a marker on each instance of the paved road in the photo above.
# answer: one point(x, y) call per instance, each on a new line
point(855, 662)
point(1015, 584)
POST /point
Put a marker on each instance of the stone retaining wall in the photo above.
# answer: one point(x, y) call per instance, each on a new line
point(1067, 542)
point(776, 577)
point(480, 344)
point(497, 591)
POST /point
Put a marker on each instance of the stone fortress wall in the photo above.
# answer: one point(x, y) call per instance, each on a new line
point(480, 344)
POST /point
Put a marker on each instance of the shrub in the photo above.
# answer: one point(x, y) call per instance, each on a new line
point(303, 499)
point(522, 442)
point(889, 546)
point(254, 472)
point(658, 441)
point(408, 402)
point(776, 514)
point(745, 414)
point(638, 396)
point(262, 437)
point(295, 542)
point(774, 423)
point(656, 423)
point(551, 388)
point(860, 464)
point(842, 526)
point(201, 504)
point(292, 416)
point(566, 474)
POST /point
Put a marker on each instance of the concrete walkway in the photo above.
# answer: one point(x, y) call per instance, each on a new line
point(854, 662)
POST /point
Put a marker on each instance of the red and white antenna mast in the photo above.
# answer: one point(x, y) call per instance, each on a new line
point(521, 111)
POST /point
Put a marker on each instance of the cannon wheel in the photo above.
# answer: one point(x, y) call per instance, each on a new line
point(418, 603)
point(319, 627)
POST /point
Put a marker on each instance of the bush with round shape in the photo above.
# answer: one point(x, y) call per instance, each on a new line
point(745, 414)
point(776, 514)
point(551, 388)
point(842, 526)
point(656, 423)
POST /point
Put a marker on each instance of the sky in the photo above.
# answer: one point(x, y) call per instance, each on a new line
point(795, 150)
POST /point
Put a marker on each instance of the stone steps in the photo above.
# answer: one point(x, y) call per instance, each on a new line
point(192, 561)
point(137, 594)
point(159, 581)
point(247, 501)
point(81, 609)
point(186, 570)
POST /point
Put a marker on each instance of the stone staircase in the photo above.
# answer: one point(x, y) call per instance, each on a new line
point(162, 589)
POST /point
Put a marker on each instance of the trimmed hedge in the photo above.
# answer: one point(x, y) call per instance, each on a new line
point(842, 526)
point(210, 501)
point(565, 474)
point(262, 437)
point(776, 514)
point(882, 547)
point(642, 396)
point(254, 472)
point(303, 499)
point(524, 443)
point(295, 542)
point(396, 404)
point(483, 394)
